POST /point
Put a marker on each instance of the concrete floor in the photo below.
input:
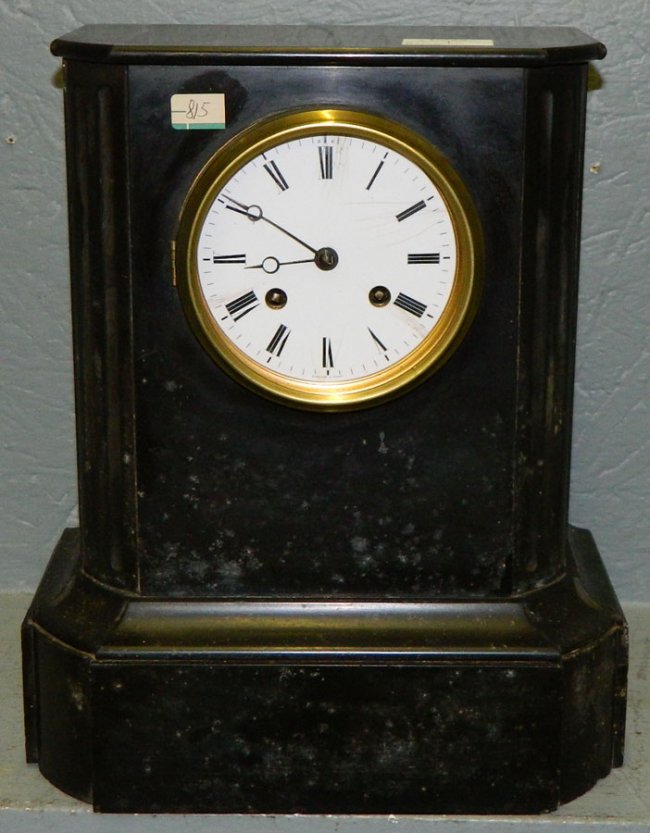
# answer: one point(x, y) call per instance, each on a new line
point(29, 804)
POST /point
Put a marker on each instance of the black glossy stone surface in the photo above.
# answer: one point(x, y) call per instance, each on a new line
point(185, 706)
point(277, 611)
point(488, 45)
point(325, 739)
point(262, 499)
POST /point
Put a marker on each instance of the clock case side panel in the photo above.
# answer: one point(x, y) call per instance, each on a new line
point(554, 145)
point(97, 174)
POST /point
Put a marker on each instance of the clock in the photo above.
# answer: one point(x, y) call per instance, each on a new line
point(324, 296)
point(375, 291)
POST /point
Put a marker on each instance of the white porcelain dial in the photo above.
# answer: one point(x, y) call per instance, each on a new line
point(324, 262)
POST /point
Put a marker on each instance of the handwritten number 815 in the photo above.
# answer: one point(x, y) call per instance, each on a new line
point(196, 109)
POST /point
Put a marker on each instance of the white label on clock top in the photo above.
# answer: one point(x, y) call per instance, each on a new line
point(327, 258)
point(475, 42)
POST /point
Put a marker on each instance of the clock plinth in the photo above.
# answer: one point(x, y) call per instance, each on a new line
point(508, 706)
point(275, 605)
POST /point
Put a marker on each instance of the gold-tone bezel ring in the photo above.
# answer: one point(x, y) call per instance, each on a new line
point(399, 377)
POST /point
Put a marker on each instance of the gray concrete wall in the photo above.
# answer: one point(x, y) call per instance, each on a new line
point(611, 462)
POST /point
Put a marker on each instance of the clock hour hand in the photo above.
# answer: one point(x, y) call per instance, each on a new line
point(255, 213)
point(272, 264)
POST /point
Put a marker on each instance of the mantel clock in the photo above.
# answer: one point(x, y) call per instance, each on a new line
point(324, 290)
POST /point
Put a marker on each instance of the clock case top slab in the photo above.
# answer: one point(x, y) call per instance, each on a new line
point(383, 45)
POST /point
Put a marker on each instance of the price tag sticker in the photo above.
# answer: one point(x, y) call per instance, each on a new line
point(198, 111)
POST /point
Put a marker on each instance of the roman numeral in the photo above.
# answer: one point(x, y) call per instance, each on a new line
point(229, 258)
point(432, 257)
point(409, 212)
point(276, 345)
point(326, 158)
point(374, 176)
point(274, 172)
point(328, 358)
point(243, 305)
point(409, 304)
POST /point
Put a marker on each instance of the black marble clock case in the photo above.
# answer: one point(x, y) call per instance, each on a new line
point(272, 610)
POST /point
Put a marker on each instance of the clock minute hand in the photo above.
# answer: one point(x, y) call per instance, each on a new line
point(255, 213)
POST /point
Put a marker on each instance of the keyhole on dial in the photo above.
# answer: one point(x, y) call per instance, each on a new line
point(276, 298)
point(379, 296)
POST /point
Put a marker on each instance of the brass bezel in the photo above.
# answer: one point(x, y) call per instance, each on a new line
point(328, 395)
